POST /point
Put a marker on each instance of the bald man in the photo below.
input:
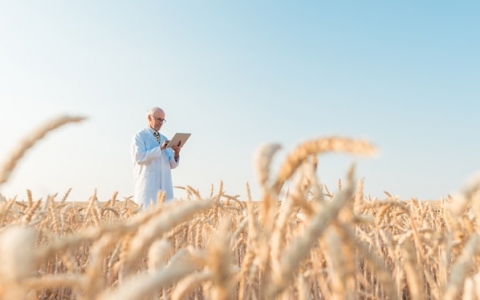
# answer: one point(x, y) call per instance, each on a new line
point(153, 161)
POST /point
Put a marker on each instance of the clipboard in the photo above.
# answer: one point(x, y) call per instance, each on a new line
point(178, 139)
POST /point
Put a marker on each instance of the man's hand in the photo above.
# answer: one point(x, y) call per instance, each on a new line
point(164, 145)
point(176, 150)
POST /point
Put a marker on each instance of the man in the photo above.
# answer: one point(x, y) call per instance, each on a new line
point(153, 161)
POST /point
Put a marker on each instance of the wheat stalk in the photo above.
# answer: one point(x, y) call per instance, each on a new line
point(29, 141)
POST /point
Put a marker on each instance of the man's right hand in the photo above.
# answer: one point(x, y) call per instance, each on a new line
point(164, 145)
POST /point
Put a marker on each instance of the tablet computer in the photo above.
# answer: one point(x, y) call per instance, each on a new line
point(178, 139)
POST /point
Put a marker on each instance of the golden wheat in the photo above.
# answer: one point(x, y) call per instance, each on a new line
point(302, 243)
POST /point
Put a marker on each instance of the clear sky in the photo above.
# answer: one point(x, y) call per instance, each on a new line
point(238, 74)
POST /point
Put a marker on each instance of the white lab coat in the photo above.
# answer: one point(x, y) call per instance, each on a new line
point(151, 168)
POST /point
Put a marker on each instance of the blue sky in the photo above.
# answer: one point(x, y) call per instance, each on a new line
point(237, 75)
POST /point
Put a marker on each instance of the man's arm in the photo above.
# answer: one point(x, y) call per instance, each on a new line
point(139, 152)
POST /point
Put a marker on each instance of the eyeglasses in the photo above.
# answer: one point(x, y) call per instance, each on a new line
point(159, 119)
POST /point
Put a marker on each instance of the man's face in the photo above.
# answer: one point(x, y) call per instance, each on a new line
point(156, 121)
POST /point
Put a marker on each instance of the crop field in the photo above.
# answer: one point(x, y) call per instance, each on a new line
point(298, 241)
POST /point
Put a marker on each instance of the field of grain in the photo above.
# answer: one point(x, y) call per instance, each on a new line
point(304, 242)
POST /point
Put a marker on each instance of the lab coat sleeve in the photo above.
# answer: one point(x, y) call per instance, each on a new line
point(140, 154)
point(173, 163)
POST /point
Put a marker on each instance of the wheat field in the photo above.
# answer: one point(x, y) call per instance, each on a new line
point(297, 242)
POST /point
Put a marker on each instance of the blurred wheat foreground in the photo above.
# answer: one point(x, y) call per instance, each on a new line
point(303, 242)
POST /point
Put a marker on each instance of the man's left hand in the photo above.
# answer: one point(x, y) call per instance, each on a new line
point(176, 150)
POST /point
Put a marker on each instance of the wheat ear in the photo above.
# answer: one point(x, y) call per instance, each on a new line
point(30, 198)
point(219, 261)
point(461, 267)
point(29, 141)
point(66, 195)
point(413, 272)
point(161, 224)
point(185, 285)
point(314, 147)
point(263, 160)
point(300, 247)
point(146, 284)
point(17, 261)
